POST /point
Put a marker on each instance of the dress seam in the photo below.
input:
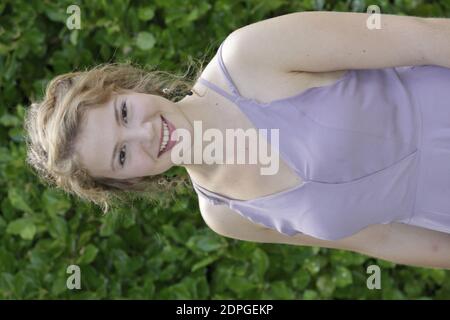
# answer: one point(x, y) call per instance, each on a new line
point(419, 151)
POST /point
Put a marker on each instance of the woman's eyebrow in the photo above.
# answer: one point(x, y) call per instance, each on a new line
point(116, 146)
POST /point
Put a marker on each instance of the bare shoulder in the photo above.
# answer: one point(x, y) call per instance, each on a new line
point(260, 81)
point(251, 81)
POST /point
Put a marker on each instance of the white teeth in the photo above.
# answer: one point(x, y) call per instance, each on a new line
point(165, 136)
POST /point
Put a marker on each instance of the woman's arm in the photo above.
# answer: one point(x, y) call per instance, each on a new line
point(306, 41)
point(410, 245)
point(396, 242)
point(438, 50)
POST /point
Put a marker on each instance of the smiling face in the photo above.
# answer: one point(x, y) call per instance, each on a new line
point(130, 123)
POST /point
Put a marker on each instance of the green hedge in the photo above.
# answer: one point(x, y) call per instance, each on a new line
point(153, 252)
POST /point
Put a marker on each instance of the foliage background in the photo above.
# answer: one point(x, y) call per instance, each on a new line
point(146, 252)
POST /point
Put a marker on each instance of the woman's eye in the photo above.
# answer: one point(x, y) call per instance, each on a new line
point(124, 117)
point(124, 111)
point(120, 156)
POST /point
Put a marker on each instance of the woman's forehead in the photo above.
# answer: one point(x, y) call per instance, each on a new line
point(95, 140)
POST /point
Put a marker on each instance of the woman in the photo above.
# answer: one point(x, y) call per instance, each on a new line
point(364, 134)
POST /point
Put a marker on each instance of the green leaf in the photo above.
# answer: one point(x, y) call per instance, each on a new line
point(7, 284)
point(342, 277)
point(260, 261)
point(438, 275)
point(346, 258)
point(58, 228)
point(312, 265)
point(203, 263)
point(280, 290)
point(16, 134)
point(4, 155)
point(325, 285)
point(239, 284)
point(145, 40)
point(56, 14)
point(172, 254)
point(121, 261)
point(205, 243)
point(9, 120)
point(24, 227)
point(7, 261)
point(18, 200)
point(85, 237)
point(55, 202)
point(146, 13)
point(109, 225)
point(301, 279)
point(310, 295)
point(414, 288)
point(127, 219)
point(385, 264)
point(88, 254)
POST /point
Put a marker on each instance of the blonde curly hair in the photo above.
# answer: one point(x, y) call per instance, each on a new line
point(51, 127)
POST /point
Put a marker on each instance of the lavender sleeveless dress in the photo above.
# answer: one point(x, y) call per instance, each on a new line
point(372, 148)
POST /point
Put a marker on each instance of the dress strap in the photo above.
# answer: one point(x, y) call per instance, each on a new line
point(212, 197)
point(236, 95)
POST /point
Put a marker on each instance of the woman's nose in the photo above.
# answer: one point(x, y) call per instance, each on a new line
point(143, 133)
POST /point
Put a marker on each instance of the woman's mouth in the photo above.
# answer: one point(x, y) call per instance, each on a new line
point(165, 143)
